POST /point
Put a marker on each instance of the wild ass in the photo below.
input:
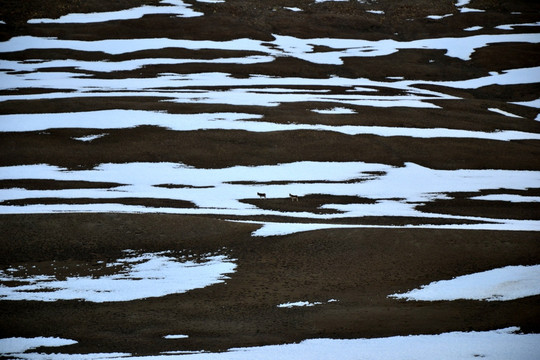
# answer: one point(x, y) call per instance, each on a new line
point(293, 197)
point(262, 195)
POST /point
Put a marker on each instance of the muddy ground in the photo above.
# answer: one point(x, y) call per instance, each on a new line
point(358, 267)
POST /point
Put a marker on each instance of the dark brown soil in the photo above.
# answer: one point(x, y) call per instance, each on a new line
point(462, 205)
point(42, 184)
point(150, 202)
point(311, 203)
point(228, 148)
point(358, 267)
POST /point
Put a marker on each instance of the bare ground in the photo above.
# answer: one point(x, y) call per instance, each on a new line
point(358, 267)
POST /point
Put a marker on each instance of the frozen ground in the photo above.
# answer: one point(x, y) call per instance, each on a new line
point(118, 119)
point(508, 283)
point(177, 7)
point(501, 344)
point(137, 276)
point(243, 84)
point(396, 191)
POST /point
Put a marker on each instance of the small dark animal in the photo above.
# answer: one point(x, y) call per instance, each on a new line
point(293, 197)
point(262, 195)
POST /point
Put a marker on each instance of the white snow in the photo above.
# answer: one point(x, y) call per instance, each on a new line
point(118, 119)
point(438, 17)
point(507, 198)
point(502, 284)
point(176, 7)
point(299, 304)
point(511, 26)
point(460, 3)
point(304, 303)
point(255, 89)
point(507, 77)
point(141, 276)
point(396, 190)
point(500, 344)
point(282, 228)
point(505, 113)
point(473, 28)
point(283, 45)
point(126, 65)
point(469, 10)
point(532, 103)
point(174, 337)
point(89, 138)
point(19, 345)
point(122, 46)
point(335, 110)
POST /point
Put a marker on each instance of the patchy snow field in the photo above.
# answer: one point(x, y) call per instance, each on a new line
point(137, 276)
point(501, 344)
point(508, 283)
point(396, 191)
point(59, 88)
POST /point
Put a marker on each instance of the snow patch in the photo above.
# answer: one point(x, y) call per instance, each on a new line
point(173, 337)
point(140, 276)
point(500, 344)
point(502, 284)
point(336, 110)
point(511, 26)
point(299, 304)
point(507, 198)
point(473, 28)
point(438, 17)
point(505, 113)
point(89, 138)
point(14, 345)
point(177, 7)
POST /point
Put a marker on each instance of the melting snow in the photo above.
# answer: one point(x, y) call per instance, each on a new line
point(173, 337)
point(118, 119)
point(438, 17)
point(303, 303)
point(336, 110)
point(19, 345)
point(299, 304)
point(396, 190)
point(501, 344)
point(507, 197)
point(511, 26)
point(89, 138)
point(503, 284)
point(505, 113)
point(280, 229)
point(177, 7)
point(293, 8)
point(291, 46)
point(142, 276)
